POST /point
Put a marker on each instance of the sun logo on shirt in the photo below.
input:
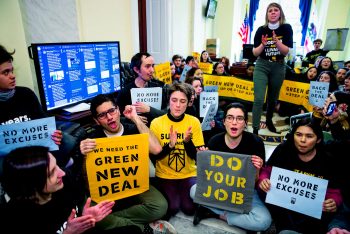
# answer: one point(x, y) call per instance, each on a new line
point(177, 159)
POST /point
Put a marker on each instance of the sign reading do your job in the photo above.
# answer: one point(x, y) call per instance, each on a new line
point(118, 167)
point(298, 192)
point(35, 132)
point(225, 181)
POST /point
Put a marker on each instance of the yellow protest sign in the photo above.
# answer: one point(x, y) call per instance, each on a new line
point(206, 67)
point(196, 56)
point(296, 93)
point(230, 86)
point(163, 73)
point(118, 167)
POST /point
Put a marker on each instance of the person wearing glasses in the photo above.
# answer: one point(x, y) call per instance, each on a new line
point(140, 209)
point(237, 140)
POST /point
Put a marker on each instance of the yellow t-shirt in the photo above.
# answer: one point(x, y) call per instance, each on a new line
point(177, 165)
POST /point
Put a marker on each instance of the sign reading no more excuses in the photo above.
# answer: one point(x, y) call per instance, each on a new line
point(225, 181)
point(298, 192)
point(30, 133)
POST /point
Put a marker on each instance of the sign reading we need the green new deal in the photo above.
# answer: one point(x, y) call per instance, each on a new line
point(225, 181)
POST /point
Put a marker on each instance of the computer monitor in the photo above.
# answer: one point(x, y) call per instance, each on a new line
point(70, 73)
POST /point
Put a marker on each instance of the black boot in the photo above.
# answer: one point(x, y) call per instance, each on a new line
point(270, 126)
point(203, 213)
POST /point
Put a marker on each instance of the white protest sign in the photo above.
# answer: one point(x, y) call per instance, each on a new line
point(298, 192)
point(184, 72)
point(318, 93)
point(209, 116)
point(207, 98)
point(30, 133)
point(211, 88)
point(149, 96)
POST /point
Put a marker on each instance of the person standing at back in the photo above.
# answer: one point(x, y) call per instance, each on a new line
point(311, 57)
point(271, 44)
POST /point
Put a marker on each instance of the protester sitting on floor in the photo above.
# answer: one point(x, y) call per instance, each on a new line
point(44, 199)
point(142, 65)
point(236, 140)
point(140, 209)
point(20, 104)
point(180, 134)
point(303, 152)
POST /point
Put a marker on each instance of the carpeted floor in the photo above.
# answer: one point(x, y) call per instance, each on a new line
point(268, 137)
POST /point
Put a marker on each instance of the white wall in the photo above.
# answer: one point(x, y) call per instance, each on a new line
point(108, 20)
point(12, 37)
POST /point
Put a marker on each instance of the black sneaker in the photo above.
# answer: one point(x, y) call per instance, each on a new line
point(270, 126)
point(203, 213)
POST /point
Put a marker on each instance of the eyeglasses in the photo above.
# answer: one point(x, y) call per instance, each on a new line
point(103, 115)
point(231, 118)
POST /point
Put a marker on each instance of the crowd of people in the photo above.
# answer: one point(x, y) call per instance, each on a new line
point(41, 192)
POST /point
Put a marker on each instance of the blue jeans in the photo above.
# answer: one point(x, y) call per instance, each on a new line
point(258, 219)
point(342, 219)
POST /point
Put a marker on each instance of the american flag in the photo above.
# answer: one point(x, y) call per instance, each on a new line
point(244, 30)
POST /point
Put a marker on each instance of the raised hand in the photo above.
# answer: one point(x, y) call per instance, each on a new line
point(257, 162)
point(99, 211)
point(142, 107)
point(130, 112)
point(87, 145)
point(173, 137)
point(188, 134)
point(264, 39)
point(265, 185)
point(329, 205)
point(57, 137)
point(78, 225)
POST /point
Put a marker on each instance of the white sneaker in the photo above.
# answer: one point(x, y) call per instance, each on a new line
point(162, 227)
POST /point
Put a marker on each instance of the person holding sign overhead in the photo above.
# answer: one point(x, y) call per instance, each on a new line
point(45, 199)
point(236, 140)
point(271, 44)
point(303, 152)
point(142, 65)
point(180, 135)
point(136, 210)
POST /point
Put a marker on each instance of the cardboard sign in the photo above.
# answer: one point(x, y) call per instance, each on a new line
point(225, 181)
point(230, 86)
point(318, 93)
point(184, 72)
point(206, 67)
point(163, 72)
point(211, 88)
point(118, 167)
point(205, 99)
point(298, 192)
point(209, 116)
point(30, 133)
point(196, 56)
point(149, 96)
point(296, 93)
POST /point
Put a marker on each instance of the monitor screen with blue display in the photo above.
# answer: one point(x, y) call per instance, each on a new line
point(70, 73)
